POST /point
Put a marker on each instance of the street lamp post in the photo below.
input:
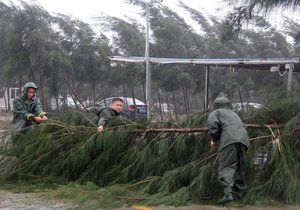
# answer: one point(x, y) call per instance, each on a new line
point(148, 68)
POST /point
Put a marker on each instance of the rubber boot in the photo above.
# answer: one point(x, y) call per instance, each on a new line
point(226, 199)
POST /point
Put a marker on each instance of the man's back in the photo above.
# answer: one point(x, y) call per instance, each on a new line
point(225, 126)
point(232, 128)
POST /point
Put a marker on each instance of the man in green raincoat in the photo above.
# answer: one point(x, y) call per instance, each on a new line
point(108, 113)
point(27, 109)
point(228, 132)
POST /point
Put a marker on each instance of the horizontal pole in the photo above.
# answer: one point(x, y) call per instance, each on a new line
point(198, 130)
point(207, 61)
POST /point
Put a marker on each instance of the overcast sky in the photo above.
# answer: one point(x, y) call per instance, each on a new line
point(85, 10)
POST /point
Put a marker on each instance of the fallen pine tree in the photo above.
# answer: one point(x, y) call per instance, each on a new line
point(157, 160)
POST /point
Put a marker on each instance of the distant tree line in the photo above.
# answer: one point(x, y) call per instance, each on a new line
point(66, 57)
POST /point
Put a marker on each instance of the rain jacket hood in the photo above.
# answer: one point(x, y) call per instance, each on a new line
point(222, 102)
point(26, 87)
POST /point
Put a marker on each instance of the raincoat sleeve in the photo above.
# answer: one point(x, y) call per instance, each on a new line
point(104, 116)
point(38, 109)
point(21, 110)
point(214, 126)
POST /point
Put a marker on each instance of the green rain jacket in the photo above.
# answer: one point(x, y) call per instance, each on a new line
point(25, 110)
point(225, 126)
point(105, 114)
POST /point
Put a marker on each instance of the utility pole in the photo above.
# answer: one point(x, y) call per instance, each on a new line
point(206, 95)
point(148, 68)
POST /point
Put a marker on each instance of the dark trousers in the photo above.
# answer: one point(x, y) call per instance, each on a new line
point(230, 171)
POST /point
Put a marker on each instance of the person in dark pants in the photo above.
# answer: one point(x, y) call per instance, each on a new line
point(228, 132)
point(106, 114)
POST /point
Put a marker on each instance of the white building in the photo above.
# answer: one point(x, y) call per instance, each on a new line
point(6, 100)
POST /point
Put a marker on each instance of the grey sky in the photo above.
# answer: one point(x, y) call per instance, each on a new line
point(85, 10)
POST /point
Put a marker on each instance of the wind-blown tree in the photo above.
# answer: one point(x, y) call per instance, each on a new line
point(292, 28)
point(68, 40)
point(26, 42)
point(5, 75)
point(89, 57)
point(166, 85)
point(174, 38)
point(185, 81)
point(268, 5)
point(248, 9)
point(38, 43)
point(89, 64)
point(66, 54)
point(262, 41)
point(128, 41)
point(56, 64)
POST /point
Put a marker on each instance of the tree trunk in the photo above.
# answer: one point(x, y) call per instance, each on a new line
point(196, 102)
point(125, 94)
point(248, 98)
point(20, 84)
point(134, 103)
point(43, 99)
point(175, 107)
point(168, 104)
point(159, 105)
point(230, 94)
point(56, 101)
point(70, 83)
point(94, 94)
point(32, 77)
point(102, 91)
point(73, 98)
point(5, 100)
point(187, 100)
point(241, 99)
point(73, 94)
point(8, 99)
